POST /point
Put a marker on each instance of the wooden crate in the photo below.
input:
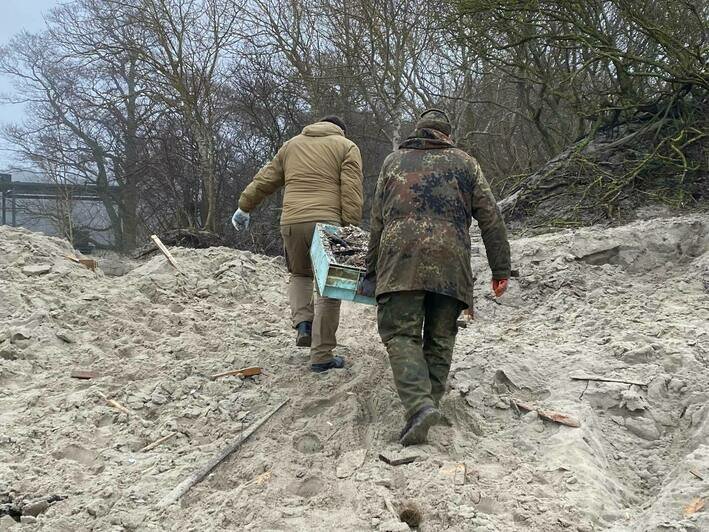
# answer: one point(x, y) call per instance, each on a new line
point(334, 280)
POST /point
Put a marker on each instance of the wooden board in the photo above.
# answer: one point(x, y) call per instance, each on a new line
point(165, 252)
point(83, 374)
point(244, 372)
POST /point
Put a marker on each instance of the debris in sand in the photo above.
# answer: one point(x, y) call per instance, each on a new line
point(350, 462)
point(455, 472)
point(607, 379)
point(245, 372)
point(165, 252)
point(158, 442)
point(19, 507)
point(118, 406)
point(460, 472)
point(349, 246)
point(83, 374)
point(64, 337)
point(184, 486)
point(37, 269)
point(91, 264)
point(693, 507)
point(396, 457)
point(548, 415)
point(390, 507)
point(694, 472)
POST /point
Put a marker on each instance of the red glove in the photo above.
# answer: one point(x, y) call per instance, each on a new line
point(499, 286)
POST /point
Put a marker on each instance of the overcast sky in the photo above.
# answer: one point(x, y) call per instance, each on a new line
point(16, 15)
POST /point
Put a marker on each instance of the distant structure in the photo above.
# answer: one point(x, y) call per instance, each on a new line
point(13, 191)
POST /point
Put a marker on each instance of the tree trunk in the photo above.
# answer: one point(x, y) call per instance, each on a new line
point(207, 170)
point(129, 190)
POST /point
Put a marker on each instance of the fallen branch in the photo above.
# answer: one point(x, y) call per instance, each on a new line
point(549, 415)
point(157, 442)
point(245, 372)
point(607, 379)
point(184, 486)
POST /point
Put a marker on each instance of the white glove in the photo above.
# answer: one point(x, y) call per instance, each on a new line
point(240, 220)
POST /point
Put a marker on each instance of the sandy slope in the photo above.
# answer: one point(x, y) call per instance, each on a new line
point(629, 302)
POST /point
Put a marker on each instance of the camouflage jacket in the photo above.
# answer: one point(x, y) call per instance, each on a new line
point(427, 194)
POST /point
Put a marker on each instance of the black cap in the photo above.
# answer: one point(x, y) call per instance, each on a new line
point(334, 119)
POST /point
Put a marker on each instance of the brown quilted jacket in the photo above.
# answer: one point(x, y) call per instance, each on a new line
point(321, 171)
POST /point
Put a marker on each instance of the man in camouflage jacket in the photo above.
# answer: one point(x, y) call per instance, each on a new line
point(427, 193)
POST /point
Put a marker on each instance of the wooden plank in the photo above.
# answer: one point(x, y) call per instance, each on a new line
point(549, 415)
point(83, 374)
point(165, 252)
point(91, 264)
point(244, 372)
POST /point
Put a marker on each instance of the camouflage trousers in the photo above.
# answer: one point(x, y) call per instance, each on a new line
point(419, 330)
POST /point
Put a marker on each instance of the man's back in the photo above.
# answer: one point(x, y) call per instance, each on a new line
point(322, 173)
point(427, 194)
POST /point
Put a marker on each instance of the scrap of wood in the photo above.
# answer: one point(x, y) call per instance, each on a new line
point(459, 474)
point(390, 507)
point(184, 486)
point(245, 372)
point(118, 406)
point(83, 374)
point(157, 442)
point(165, 252)
point(91, 264)
point(694, 472)
point(607, 379)
point(396, 458)
point(693, 507)
point(549, 415)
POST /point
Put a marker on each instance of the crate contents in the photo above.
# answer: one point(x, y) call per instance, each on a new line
point(348, 246)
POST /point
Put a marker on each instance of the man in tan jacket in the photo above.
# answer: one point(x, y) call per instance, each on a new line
point(321, 171)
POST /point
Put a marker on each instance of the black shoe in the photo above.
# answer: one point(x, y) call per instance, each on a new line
point(406, 427)
point(305, 334)
point(335, 363)
point(426, 417)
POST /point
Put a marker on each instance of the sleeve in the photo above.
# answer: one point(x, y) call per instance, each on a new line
point(492, 226)
point(351, 195)
point(269, 179)
point(376, 222)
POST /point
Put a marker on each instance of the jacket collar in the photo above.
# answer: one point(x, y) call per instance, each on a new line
point(427, 139)
point(322, 129)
